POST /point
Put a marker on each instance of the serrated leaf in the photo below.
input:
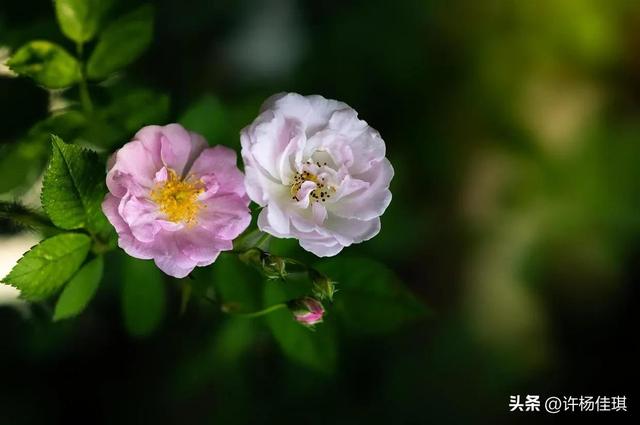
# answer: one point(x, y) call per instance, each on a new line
point(47, 63)
point(74, 187)
point(79, 19)
point(48, 265)
point(80, 290)
point(143, 296)
point(370, 297)
point(315, 349)
point(121, 43)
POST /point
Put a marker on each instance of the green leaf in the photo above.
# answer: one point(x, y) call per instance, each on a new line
point(47, 63)
point(128, 108)
point(138, 107)
point(143, 297)
point(23, 162)
point(315, 349)
point(370, 297)
point(206, 116)
point(121, 43)
point(80, 290)
point(79, 19)
point(73, 188)
point(48, 265)
point(237, 285)
point(67, 125)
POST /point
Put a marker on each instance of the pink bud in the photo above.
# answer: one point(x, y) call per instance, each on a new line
point(307, 311)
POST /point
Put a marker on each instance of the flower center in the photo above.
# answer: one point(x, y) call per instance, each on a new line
point(322, 192)
point(178, 198)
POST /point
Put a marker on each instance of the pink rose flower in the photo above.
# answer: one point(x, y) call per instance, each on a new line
point(307, 311)
point(174, 200)
point(319, 172)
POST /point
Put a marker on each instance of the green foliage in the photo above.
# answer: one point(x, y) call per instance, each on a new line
point(370, 297)
point(316, 348)
point(48, 265)
point(206, 116)
point(73, 188)
point(121, 43)
point(143, 297)
point(22, 162)
point(236, 285)
point(79, 19)
point(129, 109)
point(19, 163)
point(235, 338)
point(22, 217)
point(137, 107)
point(80, 290)
point(47, 63)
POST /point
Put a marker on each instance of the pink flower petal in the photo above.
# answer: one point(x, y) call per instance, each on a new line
point(144, 231)
point(226, 216)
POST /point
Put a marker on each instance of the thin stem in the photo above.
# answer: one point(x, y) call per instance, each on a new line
point(24, 217)
point(258, 313)
point(85, 98)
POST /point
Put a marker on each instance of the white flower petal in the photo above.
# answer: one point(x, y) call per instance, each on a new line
point(319, 171)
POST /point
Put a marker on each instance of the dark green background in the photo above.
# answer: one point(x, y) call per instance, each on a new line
point(514, 130)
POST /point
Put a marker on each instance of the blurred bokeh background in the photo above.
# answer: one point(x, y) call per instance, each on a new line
point(514, 130)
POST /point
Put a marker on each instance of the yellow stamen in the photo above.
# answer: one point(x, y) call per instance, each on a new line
point(322, 192)
point(178, 198)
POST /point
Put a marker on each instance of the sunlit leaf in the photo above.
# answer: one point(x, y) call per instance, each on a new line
point(73, 188)
point(47, 63)
point(79, 19)
point(80, 290)
point(121, 43)
point(48, 265)
point(143, 296)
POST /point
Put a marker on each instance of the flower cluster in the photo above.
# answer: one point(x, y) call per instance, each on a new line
point(319, 172)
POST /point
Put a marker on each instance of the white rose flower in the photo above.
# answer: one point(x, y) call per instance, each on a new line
point(319, 172)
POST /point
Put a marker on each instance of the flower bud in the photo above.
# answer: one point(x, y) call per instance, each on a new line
point(323, 286)
point(307, 311)
point(271, 266)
